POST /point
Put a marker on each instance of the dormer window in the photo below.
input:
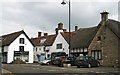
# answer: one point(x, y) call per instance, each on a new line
point(42, 40)
point(22, 41)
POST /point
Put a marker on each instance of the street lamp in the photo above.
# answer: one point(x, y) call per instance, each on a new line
point(63, 3)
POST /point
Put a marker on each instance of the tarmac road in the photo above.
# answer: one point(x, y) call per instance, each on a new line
point(37, 68)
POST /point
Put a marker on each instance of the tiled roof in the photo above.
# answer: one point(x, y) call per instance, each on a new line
point(9, 38)
point(48, 42)
point(50, 39)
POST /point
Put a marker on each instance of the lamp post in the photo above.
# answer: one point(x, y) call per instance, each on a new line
point(63, 3)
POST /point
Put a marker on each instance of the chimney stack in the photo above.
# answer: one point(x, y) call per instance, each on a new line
point(104, 16)
point(45, 34)
point(60, 26)
point(76, 28)
point(39, 34)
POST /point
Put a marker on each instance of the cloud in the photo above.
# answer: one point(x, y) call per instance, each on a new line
point(58, 0)
point(44, 16)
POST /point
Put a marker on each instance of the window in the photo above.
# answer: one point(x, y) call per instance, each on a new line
point(36, 49)
point(44, 48)
point(21, 40)
point(98, 38)
point(97, 54)
point(48, 55)
point(59, 46)
point(42, 40)
point(2, 49)
point(21, 48)
point(39, 49)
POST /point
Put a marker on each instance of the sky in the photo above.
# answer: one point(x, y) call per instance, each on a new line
point(35, 16)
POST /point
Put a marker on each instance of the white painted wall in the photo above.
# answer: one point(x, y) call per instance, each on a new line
point(47, 47)
point(39, 49)
point(60, 39)
point(0, 49)
point(14, 46)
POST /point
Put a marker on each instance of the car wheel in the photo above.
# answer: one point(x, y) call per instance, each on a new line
point(60, 65)
point(78, 66)
point(48, 63)
point(89, 65)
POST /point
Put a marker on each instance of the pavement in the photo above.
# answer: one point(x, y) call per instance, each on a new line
point(34, 69)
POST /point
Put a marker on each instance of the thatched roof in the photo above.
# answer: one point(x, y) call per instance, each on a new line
point(66, 35)
point(83, 37)
point(114, 26)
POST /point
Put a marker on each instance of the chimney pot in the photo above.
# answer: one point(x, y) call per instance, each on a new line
point(39, 34)
point(60, 26)
point(104, 16)
point(76, 28)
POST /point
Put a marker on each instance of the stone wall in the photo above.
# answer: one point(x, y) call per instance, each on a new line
point(108, 45)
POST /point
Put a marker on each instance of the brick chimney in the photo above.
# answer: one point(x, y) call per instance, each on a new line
point(45, 34)
point(104, 16)
point(60, 26)
point(76, 28)
point(39, 34)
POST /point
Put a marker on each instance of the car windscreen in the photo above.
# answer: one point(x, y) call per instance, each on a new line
point(81, 58)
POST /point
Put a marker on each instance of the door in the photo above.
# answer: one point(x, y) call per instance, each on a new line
point(4, 58)
point(38, 56)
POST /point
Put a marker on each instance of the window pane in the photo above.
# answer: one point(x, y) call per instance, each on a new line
point(100, 55)
point(59, 46)
point(21, 40)
point(92, 53)
point(21, 48)
point(36, 49)
point(96, 55)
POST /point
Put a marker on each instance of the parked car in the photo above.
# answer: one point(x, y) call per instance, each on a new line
point(57, 54)
point(86, 61)
point(59, 60)
point(45, 62)
point(69, 60)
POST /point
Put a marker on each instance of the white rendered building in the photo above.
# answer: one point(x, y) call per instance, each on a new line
point(16, 45)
